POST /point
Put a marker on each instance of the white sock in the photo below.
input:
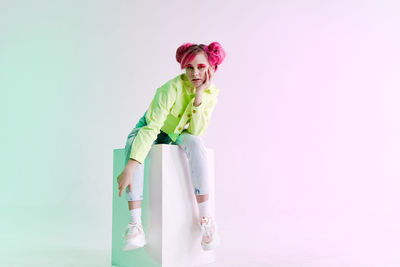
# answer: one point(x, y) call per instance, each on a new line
point(204, 209)
point(136, 215)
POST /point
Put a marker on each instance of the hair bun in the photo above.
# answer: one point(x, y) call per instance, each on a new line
point(216, 53)
point(180, 52)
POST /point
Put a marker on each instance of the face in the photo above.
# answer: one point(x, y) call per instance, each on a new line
point(196, 70)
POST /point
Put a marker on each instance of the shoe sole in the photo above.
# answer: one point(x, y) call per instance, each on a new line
point(138, 243)
point(211, 245)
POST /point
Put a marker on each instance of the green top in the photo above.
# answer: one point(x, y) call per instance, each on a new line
point(171, 109)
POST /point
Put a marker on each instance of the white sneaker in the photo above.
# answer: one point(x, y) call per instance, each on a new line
point(134, 236)
point(209, 229)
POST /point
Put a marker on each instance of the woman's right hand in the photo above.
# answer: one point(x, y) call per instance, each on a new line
point(125, 178)
point(207, 81)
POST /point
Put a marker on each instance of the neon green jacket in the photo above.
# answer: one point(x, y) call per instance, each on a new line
point(171, 110)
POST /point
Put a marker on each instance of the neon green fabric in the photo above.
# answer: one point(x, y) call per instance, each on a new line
point(171, 109)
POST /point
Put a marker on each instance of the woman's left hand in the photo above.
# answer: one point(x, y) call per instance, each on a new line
point(207, 81)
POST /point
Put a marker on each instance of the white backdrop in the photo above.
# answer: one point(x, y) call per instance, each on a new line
point(305, 132)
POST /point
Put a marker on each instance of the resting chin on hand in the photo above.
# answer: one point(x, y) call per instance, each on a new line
point(203, 86)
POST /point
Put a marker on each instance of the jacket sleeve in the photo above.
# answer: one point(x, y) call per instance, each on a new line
point(201, 115)
point(156, 115)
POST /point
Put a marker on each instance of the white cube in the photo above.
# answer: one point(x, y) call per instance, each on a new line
point(169, 212)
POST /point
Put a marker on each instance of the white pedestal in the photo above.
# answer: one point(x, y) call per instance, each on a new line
point(169, 212)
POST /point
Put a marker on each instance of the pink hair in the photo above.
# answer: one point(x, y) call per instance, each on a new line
point(188, 51)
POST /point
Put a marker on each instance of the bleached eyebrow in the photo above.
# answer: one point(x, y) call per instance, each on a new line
point(197, 64)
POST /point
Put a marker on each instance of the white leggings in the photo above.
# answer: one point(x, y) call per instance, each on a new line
point(195, 151)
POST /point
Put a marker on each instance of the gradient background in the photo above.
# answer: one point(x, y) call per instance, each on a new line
point(306, 131)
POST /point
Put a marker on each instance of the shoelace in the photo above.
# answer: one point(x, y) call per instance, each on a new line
point(129, 229)
point(206, 226)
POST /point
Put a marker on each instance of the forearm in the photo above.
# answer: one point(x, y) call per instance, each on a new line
point(131, 165)
point(201, 115)
point(197, 99)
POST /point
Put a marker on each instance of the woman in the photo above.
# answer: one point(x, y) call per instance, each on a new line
point(186, 100)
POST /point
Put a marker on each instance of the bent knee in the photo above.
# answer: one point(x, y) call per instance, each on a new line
point(190, 140)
